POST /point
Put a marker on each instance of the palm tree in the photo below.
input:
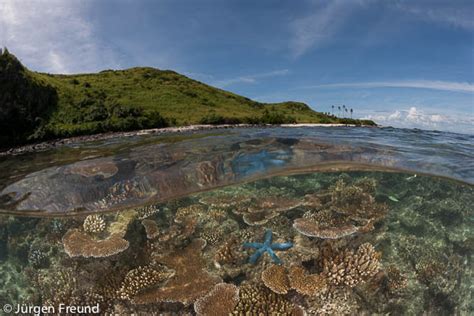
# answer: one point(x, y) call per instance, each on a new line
point(339, 108)
point(347, 110)
point(351, 112)
point(332, 109)
point(343, 109)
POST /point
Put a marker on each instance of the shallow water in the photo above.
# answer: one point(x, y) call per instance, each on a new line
point(193, 218)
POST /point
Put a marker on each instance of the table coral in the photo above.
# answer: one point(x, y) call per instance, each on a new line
point(221, 300)
point(276, 279)
point(77, 243)
point(190, 282)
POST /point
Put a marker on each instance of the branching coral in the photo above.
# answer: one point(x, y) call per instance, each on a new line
point(258, 300)
point(77, 243)
point(142, 278)
point(228, 253)
point(351, 268)
point(190, 211)
point(221, 300)
point(94, 223)
point(190, 281)
point(146, 211)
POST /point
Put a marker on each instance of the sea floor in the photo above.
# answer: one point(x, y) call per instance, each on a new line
point(319, 243)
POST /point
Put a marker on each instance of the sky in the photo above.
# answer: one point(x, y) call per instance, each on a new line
point(401, 63)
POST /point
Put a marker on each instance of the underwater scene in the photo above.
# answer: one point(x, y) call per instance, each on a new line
point(325, 221)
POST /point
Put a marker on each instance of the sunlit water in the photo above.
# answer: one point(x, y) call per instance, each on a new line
point(245, 222)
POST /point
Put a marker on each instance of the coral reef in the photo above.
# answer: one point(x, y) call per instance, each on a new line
point(351, 268)
point(94, 223)
point(276, 279)
point(142, 278)
point(228, 253)
point(174, 262)
point(77, 244)
point(221, 300)
point(146, 211)
point(341, 211)
point(190, 281)
point(151, 228)
point(304, 283)
point(265, 208)
point(266, 246)
point(280, 280)
point(258, 300)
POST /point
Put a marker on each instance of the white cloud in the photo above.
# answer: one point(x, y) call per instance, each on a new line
point(420, 84)
point(320, 27)
point(54, 36)
point(251, 78)
point(419, 118)
point(317, 28)
point(444, 13)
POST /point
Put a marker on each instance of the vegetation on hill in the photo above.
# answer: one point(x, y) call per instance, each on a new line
point(38, 106)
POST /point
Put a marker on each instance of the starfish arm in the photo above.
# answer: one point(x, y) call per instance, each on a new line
point(273, 256)
point(268, 237)
point(257, 254)
point(255, 245)
point(282, 246)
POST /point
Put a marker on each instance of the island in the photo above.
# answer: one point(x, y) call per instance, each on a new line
point(37, 107)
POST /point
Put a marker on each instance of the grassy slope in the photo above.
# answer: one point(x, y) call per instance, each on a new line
point(173, 95)
point(37, 106)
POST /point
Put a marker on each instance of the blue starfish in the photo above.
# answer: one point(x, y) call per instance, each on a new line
point(267, 246)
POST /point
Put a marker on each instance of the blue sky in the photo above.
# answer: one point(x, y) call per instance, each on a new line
point(401, 63)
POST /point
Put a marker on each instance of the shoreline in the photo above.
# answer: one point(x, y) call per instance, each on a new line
point(54, 143)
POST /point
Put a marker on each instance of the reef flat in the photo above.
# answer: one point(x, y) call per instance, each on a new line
point(347, 243)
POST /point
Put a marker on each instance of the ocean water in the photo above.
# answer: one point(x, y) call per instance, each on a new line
point(272, 221)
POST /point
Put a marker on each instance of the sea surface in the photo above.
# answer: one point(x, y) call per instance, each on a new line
point(244, 221)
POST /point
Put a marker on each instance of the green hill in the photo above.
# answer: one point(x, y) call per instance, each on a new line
point(38, 106)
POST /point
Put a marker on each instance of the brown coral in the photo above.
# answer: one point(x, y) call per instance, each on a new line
point(280, 280)
point(351, 268)
point(142, 278)
point(190, 281)
point(276, 279)
point(228, 253)
point(146, 211)
point(224, 200)
point(258, 300)
point(266, 208)
point(151, 228)
point(306, 284)
point(220, 301)
point(311, 228)
point(94, 223)
point(190, 211)
point(77, 243)
point(341, 211)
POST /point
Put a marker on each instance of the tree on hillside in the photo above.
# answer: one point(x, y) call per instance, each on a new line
point(24, 102)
